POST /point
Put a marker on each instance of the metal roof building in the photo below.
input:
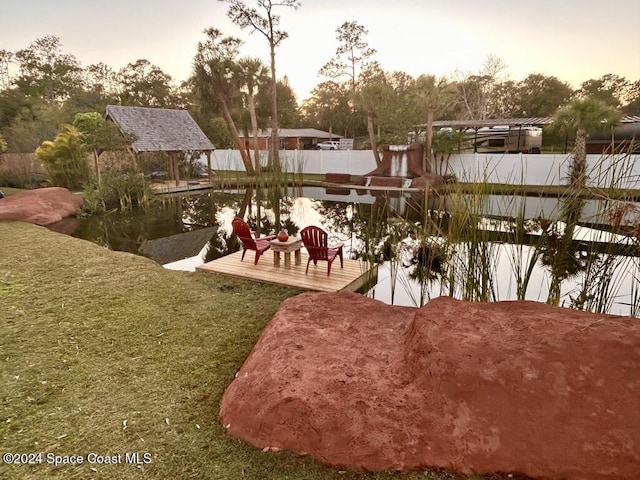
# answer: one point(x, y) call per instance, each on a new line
point(510, 122)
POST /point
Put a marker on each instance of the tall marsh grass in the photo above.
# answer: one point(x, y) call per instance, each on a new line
point(473, 245)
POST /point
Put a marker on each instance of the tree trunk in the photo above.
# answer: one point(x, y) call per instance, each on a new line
point(97, 166)
point(429, 139)
point(254, 130)
point(246, 158)
point(274, 157)
point(578, 169)
point(372, 137)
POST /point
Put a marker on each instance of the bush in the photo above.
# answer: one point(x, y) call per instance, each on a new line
point(64, 159)
point(122, 189)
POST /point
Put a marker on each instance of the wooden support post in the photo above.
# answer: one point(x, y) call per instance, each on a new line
point(176, 167)
point(170, 166)
point(209, 167)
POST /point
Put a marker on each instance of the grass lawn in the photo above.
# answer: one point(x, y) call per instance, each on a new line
point(10, 191)
point(104, 352)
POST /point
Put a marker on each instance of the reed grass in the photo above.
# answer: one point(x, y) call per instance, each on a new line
point(599, 274)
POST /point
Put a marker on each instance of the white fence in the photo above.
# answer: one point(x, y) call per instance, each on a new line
point(603, 170)
point(621, 170)
point(354, 162)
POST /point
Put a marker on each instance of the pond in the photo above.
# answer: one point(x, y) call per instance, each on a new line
point(475, 247)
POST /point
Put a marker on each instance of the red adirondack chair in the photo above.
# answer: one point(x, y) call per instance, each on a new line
point(315, 241)
point(249, 242)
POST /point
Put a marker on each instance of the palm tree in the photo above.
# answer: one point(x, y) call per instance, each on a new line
point(432, 94)
point(371, 96)
point(559, 252)
point(584, 116)
point(215, 81)
point(252, 73)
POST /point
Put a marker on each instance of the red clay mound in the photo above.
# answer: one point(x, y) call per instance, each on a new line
point(496, 387)
point(42, 206)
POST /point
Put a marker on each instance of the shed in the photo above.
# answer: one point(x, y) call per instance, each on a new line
point(161, 130)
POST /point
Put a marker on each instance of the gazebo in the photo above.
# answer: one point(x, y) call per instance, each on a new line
point(161, 130)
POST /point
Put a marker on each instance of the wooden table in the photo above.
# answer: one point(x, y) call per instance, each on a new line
point(292, 244)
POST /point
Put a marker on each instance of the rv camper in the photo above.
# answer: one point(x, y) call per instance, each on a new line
point(504, 140)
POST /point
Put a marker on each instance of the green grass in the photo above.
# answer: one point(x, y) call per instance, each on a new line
point(10, 190)
point(109, 353)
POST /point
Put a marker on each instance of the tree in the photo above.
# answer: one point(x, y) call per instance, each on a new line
point(633, 103)
point(266, 24)
point(584, 116)
point(100, 88)
point(540, 95)
point(351, 58)
point(252, 73)
point(328, 107)
point(99, 135)
point(101, 78)
point(431, 94)
point(610, 89)
point(373, 92)
point(13, 103)
point(3, 144)
point(288, 112)
point(33, 124)
point(478, 95)
point(35, 106)
point(446, 143)
point(144, 84)
point(45, 72)
point(64, 158)
point(351, 55)
point(215, 81)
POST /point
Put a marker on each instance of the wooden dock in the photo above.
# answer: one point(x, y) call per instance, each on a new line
point(355, 275)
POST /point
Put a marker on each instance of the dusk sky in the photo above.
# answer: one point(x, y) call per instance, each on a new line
point(574, 40)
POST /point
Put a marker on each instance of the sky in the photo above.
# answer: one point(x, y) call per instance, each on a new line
point(573, 40)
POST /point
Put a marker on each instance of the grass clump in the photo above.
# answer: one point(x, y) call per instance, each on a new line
point(109, 353)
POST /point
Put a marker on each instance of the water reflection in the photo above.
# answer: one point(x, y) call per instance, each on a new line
point(474, 247)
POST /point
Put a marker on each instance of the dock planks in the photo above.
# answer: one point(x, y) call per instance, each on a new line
point(354, 276)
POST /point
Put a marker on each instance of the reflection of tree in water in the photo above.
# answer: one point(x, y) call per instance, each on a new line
point(202, 209)
point(221, 245)
point(126, 230)
point(558, 251)
point(423, 253)
point(345, 222)
point(428, 262)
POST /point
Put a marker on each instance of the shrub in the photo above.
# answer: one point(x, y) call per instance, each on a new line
point(122, 189)
point(64, 159)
